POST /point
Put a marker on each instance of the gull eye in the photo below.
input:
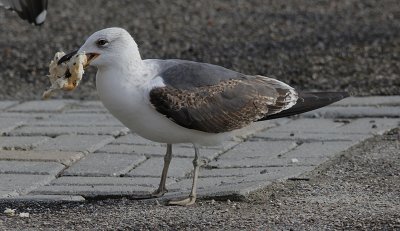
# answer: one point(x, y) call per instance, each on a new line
point(101, 42)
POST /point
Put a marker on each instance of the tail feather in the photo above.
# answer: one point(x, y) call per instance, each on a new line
point(309, 101)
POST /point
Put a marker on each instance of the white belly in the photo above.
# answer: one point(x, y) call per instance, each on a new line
point(129, 105)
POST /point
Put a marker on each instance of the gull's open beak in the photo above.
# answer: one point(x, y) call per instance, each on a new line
point(89, 56)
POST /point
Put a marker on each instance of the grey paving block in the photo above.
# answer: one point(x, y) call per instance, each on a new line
point(370, 101)
point(211, 178)
point(87, 110)
point(231, 172)
point(86, 120)
point(204, 183)
point(369, 126)
point(89, 103)
point(317, 149)
point(8, 124)
point(25, 116)
point(21, 142)
point(30, 167)
point(355, 112)
point(205, 153)
point(44, 198)
point(67, 130)
point(103, 164)
point(306, 154)
point(255, 173)
point(22, 183)
point(152, 167)
point(93, 190)
point(304, 136)
point(7, 194)
point(141, 181)
point(118, 148)
point(6, 104)
point(306, 124)
point(82, 143)
point(40, 106)
point(133, 139)
point(255, 127)
point(255, 150)
point(347, 129)
point(65, 158)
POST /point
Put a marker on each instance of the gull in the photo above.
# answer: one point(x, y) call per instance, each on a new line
point(33, 11)
point(178, 101)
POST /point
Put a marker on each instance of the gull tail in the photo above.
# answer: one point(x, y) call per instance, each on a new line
point(309, 101)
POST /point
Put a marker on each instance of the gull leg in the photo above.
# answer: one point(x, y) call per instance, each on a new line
point(167, 159)
point(192, 196)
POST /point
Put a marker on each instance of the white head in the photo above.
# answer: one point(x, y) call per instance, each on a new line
point(111, 46)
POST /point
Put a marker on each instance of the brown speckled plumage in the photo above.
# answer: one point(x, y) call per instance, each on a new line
point(226, 106)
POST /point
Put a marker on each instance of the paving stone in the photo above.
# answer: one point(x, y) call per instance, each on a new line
point(93, 190)
point(255, 150)
point(86, 120)
point(370, 101)
point(56, 131)
point(44, 198)
point(369, 126)
point(82, 143)
point(118, 148)
point(308, 137)
point(204, 183)
point(152, 167)
point(89, 103)
point(103, 164)
point(210, 178)
point(177, 151)
point(141, 181)
point(307, 154)
point(87, 110)
point(255, 173)
point(355, 112)
point(40, 106)
point(8, 124)
point(317, 149)
point(25, 116)
point(133, 139)
point(65, 158)
point(255, 127)
point(22, 183)
point(305, 124)
point(30, 167)
point(345, 130)
point(6, 104)
point(7, 194)
point(21, 142)
point(239, 191)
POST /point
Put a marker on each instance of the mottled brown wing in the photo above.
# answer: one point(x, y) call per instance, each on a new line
point(225, 106)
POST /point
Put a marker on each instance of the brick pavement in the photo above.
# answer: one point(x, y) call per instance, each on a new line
point(68, 150)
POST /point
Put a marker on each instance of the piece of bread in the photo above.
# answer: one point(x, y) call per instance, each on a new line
point(67, 75)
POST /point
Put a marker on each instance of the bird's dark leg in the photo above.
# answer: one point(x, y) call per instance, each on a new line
point(192, 196)
point(167, 159)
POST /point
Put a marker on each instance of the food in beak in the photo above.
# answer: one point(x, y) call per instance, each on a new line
point(66, 71)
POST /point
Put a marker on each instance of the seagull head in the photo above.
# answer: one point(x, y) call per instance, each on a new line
point(107, 47)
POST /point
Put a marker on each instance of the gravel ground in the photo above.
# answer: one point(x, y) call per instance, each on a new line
point(357, 190)
point(314, 45)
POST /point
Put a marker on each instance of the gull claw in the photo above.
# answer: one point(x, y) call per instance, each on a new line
point(185, 202)
point(159, 192)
